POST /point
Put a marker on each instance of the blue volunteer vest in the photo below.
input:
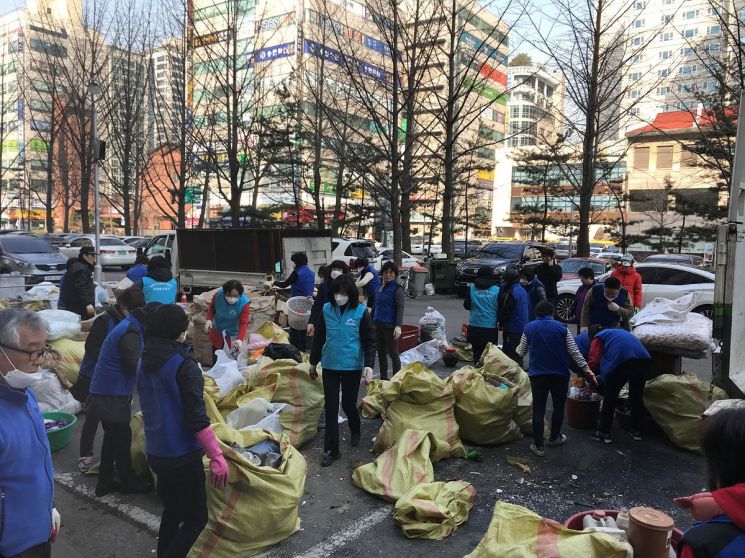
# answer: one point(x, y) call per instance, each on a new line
point(108, 376)
point(385, 304)
point(619, 346)
point(484, 307)
point(583, 342)
point(226, 315)
point(157, 291)
point(306, 281)
point(166, 432)
point(372, 288)
point(343, 347)
point(88, 364)
point(718, 537)
point(599, 313)
point(517, 321)
point(547, 347)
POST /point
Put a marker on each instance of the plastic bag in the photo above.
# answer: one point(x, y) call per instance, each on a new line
point(427, 353)
point(434, 510)
point(694, 334)
point(399, 468)
point(498, 366)
point(517, 532)
point(102, 296)
point(277, 351)
point(61, 323)
point(257, 414)
point(225, 373)
point(51, 396)
point(432, 326)
point(274, 333)
point(666, 311)
point(42, 291)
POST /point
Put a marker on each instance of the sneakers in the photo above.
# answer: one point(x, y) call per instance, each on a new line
point(329, 458)
point(601, 437)
point(561, 440)
point(637, 436)
point(540, 452)
point(355, 440)
point(85, 464)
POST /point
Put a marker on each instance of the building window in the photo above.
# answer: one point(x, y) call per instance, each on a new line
point(710, 86)
point(714, 30)
point(663, 72)
point(639, 5)
point(633, 94)
point(712, 11)
point(686, 51)
point(639, 23)
point(641, 158)
point(690, 33)
point(637, 58)
point(634, 111)
point(665, 54)
point(634, 76)
point(714, 48)
point(690, 14)
point(687, 69)
point(663, 90)
point(665, 157)
point(666, 19)
point(669, 2)
point(666, 36)
point(637, 41)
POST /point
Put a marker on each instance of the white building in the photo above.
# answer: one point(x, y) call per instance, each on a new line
point(535, 106)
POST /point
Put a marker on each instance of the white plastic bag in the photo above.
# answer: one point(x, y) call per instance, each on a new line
point(432, 325)
point(52, 396)
point(42, 291)
point(257, 414)
point(666, 311)
point(61, 323)
point(692, 335)
point(102, 295)
point(428, 353)
point(225, 373)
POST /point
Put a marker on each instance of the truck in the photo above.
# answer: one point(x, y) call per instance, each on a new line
point(203, 259)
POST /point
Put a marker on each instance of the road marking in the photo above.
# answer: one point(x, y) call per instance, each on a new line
point(135, 514)
point(340, 539)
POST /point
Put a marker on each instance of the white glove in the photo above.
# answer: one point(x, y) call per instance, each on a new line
point(90, 310)
point(238, 345)
point(56, 523)
point(397, 332)
point(367, 375)
point(310, 330)
point(613, 307)
point(207, 326)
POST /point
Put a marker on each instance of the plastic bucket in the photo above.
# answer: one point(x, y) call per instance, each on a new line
point(409, 338)
point(298, 311)
point(575, 522)
point(650, 532)
point(58, 439)
point(582, 414)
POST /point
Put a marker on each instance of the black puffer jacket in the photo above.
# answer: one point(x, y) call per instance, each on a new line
point(78, 288)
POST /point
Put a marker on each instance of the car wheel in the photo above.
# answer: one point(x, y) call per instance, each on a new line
point(565, 308)
point(461, 292)
point(705, 310)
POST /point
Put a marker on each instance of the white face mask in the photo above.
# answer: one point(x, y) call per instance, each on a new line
point(626, 264)
point(335, 273)
point(231, 299)
point(341, 299)
point(17, 379)
point(524, 282)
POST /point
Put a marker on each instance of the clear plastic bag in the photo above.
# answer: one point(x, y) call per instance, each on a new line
point(257, 414)
point(61, 323)
point(432, 325)
point(225, 372)
point(427, 353)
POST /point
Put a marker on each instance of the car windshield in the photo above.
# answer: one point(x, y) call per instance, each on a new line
point(26, 245)
point(669, 259)
point(505, 251)
point(573, 266)
point(363, 251)
point(562, 247)
point(112, 242)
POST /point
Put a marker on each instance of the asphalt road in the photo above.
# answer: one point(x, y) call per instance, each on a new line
point(339, 519)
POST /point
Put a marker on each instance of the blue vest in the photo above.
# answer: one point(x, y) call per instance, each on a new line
point(306, 281)
point(26, 473)
point(618, 346)
point(718, 537)
point(227, 315)
point(157, 291)
point(137, 272)
point(108, 376)
point(385, 303)
point(88, 364)
point(547, 347)
point(599, 313)
point(517, 321)
point(484, 307)
point(372, 288)
point(343, 347)
point(166, 432)
point(583, 342)
point(533, 300)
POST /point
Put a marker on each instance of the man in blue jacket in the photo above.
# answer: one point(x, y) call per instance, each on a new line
point(535, 289)
point(29, 520)
point(302, 283)
point(158, 285)
point(369, 282)
point(513, 313)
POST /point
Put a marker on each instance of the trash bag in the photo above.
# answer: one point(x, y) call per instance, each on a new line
point(263, 309)
point(399, 468)
point(498, 366)
point(373, 403)
point(259, 506)
point(277, 351)
point(694, 334)
point(274, 333)
point(427, 353)
point(434, 510)
point(258, 414)
point(225, 373)
point(517, 532)
point(483, 410)
point(239, 395)
point(69, 355)
point(51, 396)
point(677, 404)
point(61, 323)
point(665, 311)
point(432, 326)
point(418, 399)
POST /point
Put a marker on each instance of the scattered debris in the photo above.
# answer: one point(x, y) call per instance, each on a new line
point(521, 463)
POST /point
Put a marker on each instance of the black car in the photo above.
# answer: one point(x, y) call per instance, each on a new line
point(497, 256)
point(463, 249)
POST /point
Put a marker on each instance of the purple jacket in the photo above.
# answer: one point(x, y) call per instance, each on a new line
point(579, 301)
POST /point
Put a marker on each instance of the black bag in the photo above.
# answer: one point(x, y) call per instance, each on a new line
point(276, 351)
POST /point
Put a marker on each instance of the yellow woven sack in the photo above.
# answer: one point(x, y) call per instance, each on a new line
point(373, 403)
point(398, 468)
point(70, 356)
point(434, 510)
point(272, 331)
point(499, 366)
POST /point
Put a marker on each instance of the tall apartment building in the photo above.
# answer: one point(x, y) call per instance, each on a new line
point(166, 92)
point(535, 105)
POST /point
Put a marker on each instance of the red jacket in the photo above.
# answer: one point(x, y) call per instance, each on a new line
point(631, 281)
point(216, 336)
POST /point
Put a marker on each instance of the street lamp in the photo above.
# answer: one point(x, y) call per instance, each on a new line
point(94, 90)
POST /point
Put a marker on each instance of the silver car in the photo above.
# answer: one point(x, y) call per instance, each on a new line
point(33, 257)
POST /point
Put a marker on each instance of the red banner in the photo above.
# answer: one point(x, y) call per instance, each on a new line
point(493, 74)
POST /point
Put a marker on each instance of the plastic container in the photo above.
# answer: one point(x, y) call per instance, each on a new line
point(298, 311)
point(58, 439)
point(598, 518)
point(582, 414)
point(650, 532)
point(420, 277)
point(409, 337)
point(450, 357)
point(442, 274)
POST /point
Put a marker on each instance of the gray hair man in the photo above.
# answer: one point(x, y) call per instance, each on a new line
point(30, 524)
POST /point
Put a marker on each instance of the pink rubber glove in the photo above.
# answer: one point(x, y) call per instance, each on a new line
point(702, 506)
point(218, 465)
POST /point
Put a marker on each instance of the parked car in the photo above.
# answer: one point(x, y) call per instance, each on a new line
point(33, 257)
point(17, 232)
point(498, 256)
point(421, 247)
point(113, 251)
point(160, 245)
point(349, 249)
point(614, 257)
point(597, 247)
point(687, 259)
point(56, 240)
point(570, 266)
point(562, 250)
point(407, 260)
point(463, 249)
point(658, 280)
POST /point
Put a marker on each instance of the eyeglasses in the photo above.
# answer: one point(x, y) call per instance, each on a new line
point(32, 355)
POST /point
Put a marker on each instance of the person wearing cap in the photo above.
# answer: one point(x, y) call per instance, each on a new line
point(229, 312)
point(482, 299)
point(177, 430)
point(159, 284)
point(606, 304)
point(110, 400)
point(302, 283)
point(78, 291)
point(323, 290)
point(630, 279)
point(369, 282)
point(549, 273)
point(513, 313)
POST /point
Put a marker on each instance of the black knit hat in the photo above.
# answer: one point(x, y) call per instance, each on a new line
point(167, 321)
